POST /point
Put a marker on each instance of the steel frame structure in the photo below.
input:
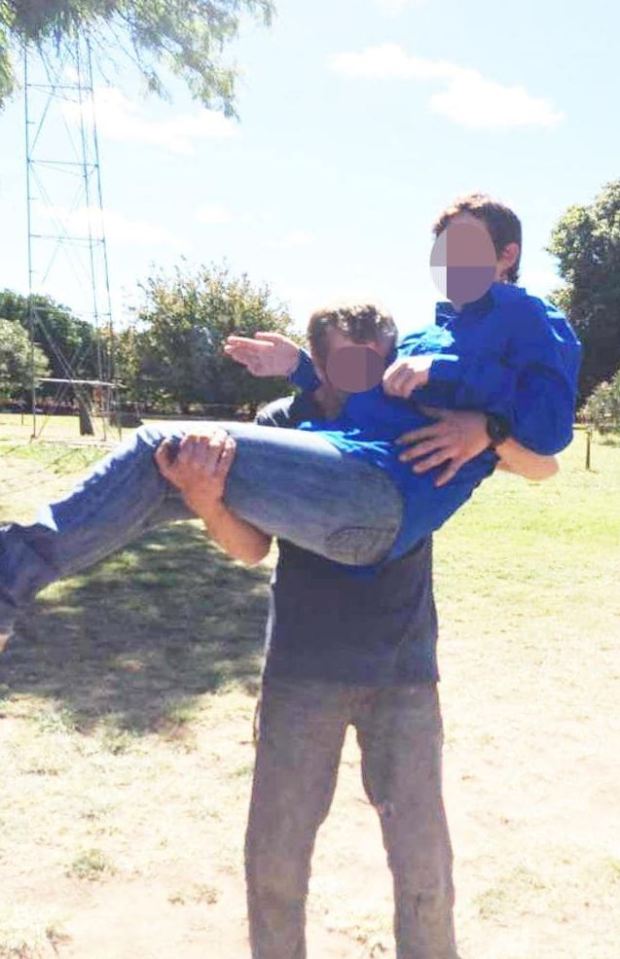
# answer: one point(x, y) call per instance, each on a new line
point(65, 215)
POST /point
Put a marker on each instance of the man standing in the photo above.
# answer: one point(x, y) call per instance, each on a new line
point(344, 650)
point(341, 650)
point(348, 649)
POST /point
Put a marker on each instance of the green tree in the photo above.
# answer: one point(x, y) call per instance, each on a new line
point(137, 371)
point(586, 242)
point(15, 361)
point(70, 344)
point(187, 37)
point(602, 409)
point(183, 327)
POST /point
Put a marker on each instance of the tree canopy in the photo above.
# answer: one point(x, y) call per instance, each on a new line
point(602, 410)
point(586, 242)
point(173, 354)
point(15, 360)
point(187, 37)
point(69, 344)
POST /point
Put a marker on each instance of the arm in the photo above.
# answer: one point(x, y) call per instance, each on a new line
point(515, 458)
point(457, 436)
point(533, 386)
point(272, 354)
point(304, 375)
point(234, 535)
point(211, 456)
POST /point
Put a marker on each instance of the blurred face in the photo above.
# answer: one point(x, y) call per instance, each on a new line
point(352, 367)
point(463, 262)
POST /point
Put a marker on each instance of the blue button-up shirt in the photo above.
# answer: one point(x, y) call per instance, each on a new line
point(507, 353)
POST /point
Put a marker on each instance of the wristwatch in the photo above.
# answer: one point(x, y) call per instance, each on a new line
point(498, 429)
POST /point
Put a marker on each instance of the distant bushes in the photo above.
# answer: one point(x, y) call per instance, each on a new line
point(602, 409)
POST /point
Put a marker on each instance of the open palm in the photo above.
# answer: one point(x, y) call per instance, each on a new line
point(268, 354)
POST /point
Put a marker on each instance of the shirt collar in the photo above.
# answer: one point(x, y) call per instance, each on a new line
point(446, 313)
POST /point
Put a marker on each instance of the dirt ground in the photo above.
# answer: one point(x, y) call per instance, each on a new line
point(531, 786)
point(126, 747)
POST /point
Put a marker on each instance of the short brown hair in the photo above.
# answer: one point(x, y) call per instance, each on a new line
point(502, 223)
point(362, 322)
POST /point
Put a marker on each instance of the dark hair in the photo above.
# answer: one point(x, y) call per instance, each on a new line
point(502, 223)
point(362, 322)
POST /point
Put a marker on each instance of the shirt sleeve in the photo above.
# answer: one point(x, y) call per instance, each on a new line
point(304, 375)
point(546, 387)
point(482, 381)
point(534, 385)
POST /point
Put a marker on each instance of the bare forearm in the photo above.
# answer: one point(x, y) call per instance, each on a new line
point(515, 458)
point(234, 535)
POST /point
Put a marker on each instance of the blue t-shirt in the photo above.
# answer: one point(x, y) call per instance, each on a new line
point(327, 625)
point(508, 353)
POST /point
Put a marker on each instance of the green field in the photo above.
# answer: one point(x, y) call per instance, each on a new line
point(126, 752)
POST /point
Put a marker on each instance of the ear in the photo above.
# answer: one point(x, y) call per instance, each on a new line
point(510, 255)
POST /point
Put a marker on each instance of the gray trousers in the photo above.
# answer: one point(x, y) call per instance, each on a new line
point(301, 730)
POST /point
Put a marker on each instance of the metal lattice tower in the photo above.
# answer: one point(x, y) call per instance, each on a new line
point(67, 251)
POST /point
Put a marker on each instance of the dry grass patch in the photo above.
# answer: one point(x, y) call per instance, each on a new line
point(126, 751)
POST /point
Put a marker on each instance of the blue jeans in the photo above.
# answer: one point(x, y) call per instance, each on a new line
point(289, 483)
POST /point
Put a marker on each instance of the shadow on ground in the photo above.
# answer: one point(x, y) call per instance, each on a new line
point(141, 635)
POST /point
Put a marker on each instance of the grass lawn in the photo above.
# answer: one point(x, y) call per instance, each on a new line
point(126, 750)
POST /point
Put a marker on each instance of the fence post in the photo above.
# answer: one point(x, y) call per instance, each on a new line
point(588, 448)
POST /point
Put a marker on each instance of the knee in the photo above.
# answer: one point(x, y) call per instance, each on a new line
point(359, 545)
point(152, 436)
point(149, 436)
point(275, 871)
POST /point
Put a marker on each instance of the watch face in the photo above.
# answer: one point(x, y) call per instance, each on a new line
point(498, 429)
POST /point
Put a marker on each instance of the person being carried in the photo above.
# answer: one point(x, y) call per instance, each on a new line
point(338, 488)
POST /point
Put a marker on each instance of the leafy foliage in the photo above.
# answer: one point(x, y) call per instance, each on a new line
point(69, 344)
point(174, 351)
point(602, 410)
point(15, 360)
point(586, 242)
point(186, 36)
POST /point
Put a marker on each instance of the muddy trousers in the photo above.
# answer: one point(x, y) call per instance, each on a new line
point(301, 730)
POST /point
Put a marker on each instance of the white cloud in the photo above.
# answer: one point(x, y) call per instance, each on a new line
point(473, 101)
point(87, 221)
point(118, 118)
point(468, 98)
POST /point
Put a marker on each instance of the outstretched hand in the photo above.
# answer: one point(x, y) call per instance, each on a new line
point(455, 437)
point(268, 354)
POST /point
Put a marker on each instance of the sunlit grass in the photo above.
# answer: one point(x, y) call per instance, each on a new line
point(126, 731)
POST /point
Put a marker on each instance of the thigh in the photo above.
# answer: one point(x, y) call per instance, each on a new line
point(301, 731)
point(296, 485)
point(401, 738)
point(400, 734)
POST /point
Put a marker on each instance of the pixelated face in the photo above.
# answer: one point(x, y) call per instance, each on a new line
point(463, 260)
point(354, 367)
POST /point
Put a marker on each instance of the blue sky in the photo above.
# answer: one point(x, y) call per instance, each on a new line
point(360, 120)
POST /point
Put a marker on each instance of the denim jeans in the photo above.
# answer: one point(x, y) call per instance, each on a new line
point(291, 484)
point(301, 730)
